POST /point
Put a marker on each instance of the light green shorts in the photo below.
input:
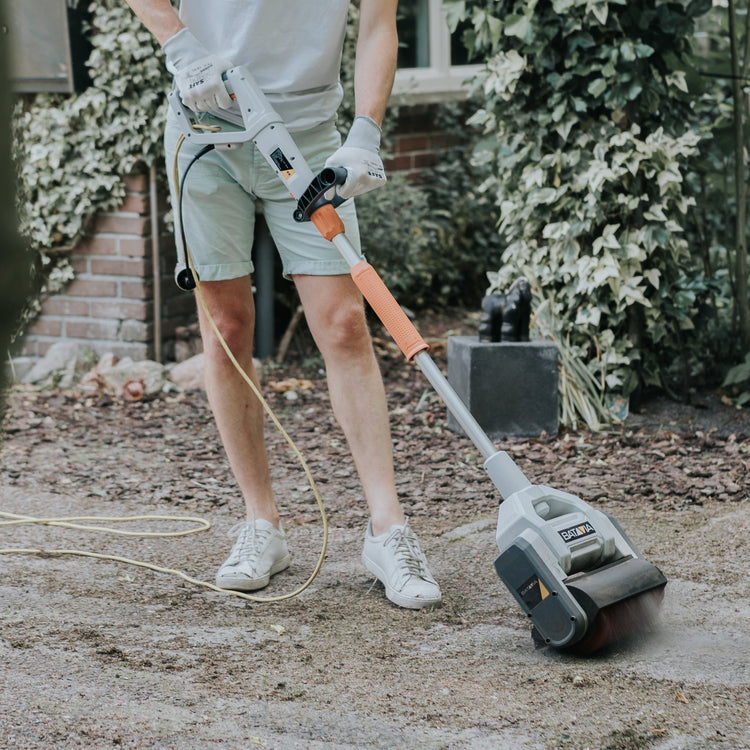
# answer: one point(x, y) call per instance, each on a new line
point(221, 194)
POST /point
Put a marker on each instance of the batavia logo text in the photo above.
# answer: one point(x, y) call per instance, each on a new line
point(576, 532)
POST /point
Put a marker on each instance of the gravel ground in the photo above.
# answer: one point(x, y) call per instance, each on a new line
point(99, 653)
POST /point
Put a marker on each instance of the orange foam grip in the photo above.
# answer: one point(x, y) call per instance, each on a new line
point(327, 222)
point(388, 310)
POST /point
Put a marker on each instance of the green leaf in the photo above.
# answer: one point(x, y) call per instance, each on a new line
point(738, 374)
point(600, 10)
point(597, 87)
point(519, 26)
point(455, 12)
point(697, 8)
point(643, 50)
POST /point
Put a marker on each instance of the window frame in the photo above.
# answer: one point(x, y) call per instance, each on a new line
point(440, 81)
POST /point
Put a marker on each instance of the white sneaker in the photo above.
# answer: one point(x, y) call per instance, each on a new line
point(259, 552)
point(397, 561)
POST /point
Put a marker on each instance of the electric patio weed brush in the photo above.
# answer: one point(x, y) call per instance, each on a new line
point(575, 573)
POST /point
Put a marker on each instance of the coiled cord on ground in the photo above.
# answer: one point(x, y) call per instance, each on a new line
point(75, 522)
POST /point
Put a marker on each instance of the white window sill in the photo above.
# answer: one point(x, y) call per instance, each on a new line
point(430, 85)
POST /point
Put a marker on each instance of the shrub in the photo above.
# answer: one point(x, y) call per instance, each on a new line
point(71, 152)
point(587, 124)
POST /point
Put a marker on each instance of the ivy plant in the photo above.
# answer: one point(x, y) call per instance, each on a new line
point(588, 133)
point(72, 152)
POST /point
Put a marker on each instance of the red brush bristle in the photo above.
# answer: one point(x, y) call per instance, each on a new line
point(621, 621)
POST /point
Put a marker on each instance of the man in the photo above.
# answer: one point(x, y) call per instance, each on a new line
point(293, 50)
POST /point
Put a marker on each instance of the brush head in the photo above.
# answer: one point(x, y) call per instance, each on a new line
point(620, 600)
point(579, 578)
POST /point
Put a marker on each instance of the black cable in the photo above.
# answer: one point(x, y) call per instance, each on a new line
point(185, 278)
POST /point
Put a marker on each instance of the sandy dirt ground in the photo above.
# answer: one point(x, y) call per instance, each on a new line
point(98, 653)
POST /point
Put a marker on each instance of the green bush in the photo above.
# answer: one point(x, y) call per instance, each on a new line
point(71, 152)
point(588, 134)
point(432, 239)
point(712, 225)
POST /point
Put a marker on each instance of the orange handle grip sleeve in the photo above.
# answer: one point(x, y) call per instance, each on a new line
point(388, 310)
point(327, 222)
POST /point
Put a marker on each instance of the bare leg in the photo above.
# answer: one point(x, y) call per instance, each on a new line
point(238, 413)
point(336, 317)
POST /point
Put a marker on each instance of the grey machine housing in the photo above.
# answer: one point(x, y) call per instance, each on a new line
point(564, 561)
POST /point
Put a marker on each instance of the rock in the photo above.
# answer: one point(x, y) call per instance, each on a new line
point(18, 368)
point(60, 366)
point(187, 343)
point(188, 374)
point(126, 379)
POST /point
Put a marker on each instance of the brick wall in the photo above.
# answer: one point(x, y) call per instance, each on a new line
point(109, 306)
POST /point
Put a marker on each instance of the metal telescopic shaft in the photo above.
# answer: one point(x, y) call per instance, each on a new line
point(503, 471)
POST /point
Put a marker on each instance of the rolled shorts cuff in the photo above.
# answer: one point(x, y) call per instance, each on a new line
point(219, 271)
point(317, 268)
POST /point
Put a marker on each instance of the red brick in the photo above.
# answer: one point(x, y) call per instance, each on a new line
point(135, 248)
point(398, 163)
point(119, 309)
point(426, 159)
point(136, 203)
point(92, 288)
point(136, 183)
point(80, 264)
point(416, 119)
point(122, 267)
point(136, 290)
point(96, 245)
point(45, 326)
point(412, 143)
point(122, 224)
point(92, 329)
point(135, 330)
point(29, 348)
point(443, 140)
point(63, 305)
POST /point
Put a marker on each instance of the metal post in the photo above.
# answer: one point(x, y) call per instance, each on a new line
point(264, 255)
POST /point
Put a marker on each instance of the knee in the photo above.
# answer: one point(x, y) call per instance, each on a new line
point(345, 330)
point(235, 325)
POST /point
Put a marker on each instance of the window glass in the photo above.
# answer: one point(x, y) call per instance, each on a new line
point(459, 53)
point(414, 34)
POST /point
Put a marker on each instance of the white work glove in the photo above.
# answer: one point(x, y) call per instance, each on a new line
point(197, 73)
point(360, 156)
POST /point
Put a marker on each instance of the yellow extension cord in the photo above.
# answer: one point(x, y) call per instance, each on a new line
point(75, 522)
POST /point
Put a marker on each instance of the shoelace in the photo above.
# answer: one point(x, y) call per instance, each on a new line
point(407, 551)
point(250, 540)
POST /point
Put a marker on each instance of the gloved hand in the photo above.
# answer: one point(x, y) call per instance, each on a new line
point(197, 73)
point(360, 156)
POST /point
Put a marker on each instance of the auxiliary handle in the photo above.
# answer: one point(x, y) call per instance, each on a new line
point(315, 196)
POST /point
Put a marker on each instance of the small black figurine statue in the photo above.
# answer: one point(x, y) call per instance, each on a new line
point(505, 317)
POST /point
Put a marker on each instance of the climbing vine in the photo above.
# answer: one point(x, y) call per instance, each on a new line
point(72, 151)
point(589, 131)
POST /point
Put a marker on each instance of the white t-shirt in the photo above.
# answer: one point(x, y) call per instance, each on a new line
point(292, 48)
